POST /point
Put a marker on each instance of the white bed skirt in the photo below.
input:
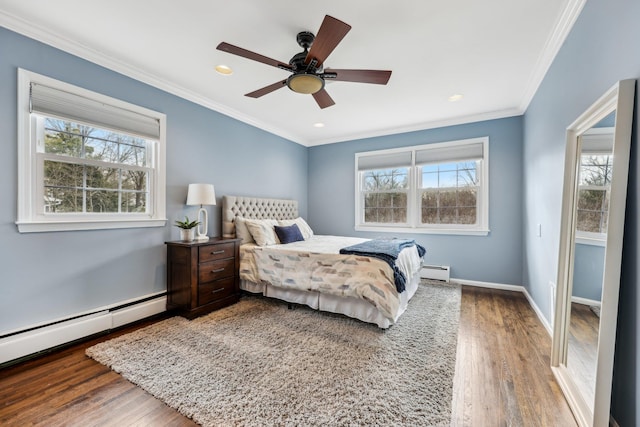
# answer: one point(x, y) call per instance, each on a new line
point(349, 306)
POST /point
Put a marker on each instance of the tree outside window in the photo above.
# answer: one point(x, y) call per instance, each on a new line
point(385, 195)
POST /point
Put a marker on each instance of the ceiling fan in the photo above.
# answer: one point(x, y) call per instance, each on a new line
point(308, 75)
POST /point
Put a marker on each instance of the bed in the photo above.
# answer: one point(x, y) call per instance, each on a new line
point(311, 271)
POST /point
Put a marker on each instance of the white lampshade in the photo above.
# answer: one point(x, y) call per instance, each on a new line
point(201, 194)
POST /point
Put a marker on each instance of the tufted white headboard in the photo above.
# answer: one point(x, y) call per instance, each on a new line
point(256, 208)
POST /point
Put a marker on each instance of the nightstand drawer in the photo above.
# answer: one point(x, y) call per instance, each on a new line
point(214, 291)
point(215, 270)
point(213, 252)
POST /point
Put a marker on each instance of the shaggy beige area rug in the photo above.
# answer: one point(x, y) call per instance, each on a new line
point(257, 363)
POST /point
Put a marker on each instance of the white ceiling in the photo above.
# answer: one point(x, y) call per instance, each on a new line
point(494, 52)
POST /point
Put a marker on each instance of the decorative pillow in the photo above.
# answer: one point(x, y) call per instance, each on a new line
point(262, 231)
point(304, 228)
point(288, 234)
point(242, 232)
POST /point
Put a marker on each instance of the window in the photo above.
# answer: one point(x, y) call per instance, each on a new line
point(435, 188)
point(594, 186)
point(86, 161)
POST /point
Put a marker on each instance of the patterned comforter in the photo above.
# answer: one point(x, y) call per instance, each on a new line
point(316, 265)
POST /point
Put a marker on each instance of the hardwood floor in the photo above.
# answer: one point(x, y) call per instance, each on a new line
point(502, 378)
point(583, 348)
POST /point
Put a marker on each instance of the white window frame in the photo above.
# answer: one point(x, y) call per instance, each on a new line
point(31, 216)
point(413, 225)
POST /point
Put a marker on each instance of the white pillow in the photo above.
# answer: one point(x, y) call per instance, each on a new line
point(242, 232)
point(306, 231)
point(262, 231)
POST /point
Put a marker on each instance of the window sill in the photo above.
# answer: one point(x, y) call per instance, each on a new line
point(422, 230)
point(591, 241)
point(47, 226)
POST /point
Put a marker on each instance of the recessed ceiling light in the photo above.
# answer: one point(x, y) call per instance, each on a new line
point(224, 70)
point(455, 97)
point(318, 125)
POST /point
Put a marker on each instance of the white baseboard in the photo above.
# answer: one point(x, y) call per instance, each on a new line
point(36, 340)
point(514, 288)
point(490, 285)
point(586, 301)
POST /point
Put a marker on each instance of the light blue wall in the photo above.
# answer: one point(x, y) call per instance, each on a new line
point(587, 271)
point(494, 258)
point(47, 276)
point(601, 49)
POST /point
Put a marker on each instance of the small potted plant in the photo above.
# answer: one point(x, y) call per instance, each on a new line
point(187, 229)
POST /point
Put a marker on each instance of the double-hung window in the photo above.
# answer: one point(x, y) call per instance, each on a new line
point(594, 186)
point(433, 188)
point(86, 161)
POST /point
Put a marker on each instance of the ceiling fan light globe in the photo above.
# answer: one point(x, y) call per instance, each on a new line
point(305, 83)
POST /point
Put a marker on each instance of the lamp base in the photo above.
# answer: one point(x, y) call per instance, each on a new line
point(201, 235)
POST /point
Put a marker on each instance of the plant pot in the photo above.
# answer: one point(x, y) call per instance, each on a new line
point(187, 234)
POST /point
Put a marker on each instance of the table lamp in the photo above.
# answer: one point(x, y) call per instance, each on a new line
point(201, 194)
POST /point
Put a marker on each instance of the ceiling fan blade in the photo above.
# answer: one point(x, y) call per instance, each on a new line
point(331, 32)
point(379, 77)
point(267, 89)
point(323, 99)
point(235, 50)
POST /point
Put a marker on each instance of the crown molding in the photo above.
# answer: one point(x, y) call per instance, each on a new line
point(491, 115)
point(551, 48)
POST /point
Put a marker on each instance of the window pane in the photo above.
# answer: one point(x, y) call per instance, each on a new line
point(429, 199)
point(429, 216)
point(101, 201)
point(98, 177)
point(596, 169)
point(134, 180)
point(389, 179)
point(467, 177)
point(62, 200)
point(590, 221)
point(467, 215)
point(134, 202)
point(429, 179)
point(448, 179)
point(468, 197)
point(591, 199)
point(61, 174)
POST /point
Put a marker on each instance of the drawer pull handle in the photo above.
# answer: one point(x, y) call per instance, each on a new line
point(215, 291)
point(217, 252)
point(218, 270)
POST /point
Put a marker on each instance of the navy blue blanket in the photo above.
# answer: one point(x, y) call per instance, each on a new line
point(388, 251)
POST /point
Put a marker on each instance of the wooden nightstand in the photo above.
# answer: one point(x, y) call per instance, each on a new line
point(202, 276)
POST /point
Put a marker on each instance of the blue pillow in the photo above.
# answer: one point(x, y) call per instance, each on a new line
point(288, 234)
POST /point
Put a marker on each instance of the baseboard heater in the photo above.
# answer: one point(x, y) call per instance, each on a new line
point(435, 272)
point(37, 339)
